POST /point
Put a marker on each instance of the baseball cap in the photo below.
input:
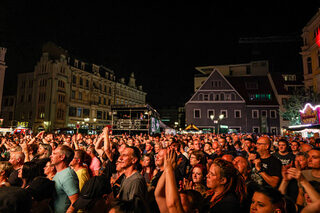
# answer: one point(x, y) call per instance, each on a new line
point(92, 189)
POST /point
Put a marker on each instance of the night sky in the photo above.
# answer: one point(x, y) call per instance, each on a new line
point(160, 41)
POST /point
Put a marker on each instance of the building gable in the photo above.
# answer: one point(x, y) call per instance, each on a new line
point(216, 89)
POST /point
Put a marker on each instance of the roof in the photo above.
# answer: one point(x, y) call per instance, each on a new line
point(262, 94)
point(280, 83)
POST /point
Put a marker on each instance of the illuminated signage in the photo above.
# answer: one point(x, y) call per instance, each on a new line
point(318, 38)
point(310, 114)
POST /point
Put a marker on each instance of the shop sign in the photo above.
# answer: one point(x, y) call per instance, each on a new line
point(310, 114)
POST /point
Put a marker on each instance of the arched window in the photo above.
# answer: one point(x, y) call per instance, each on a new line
point(200, 97)
point(222, 96)
point(211, 97)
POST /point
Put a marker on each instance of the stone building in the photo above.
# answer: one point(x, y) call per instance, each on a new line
point(64, 91)
point(310, 53)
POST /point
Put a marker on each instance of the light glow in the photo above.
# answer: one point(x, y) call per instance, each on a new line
point(312, 107)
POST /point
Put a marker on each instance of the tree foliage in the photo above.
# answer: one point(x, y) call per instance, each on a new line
point(296, 102)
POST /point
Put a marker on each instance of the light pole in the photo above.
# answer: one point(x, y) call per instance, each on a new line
point(220, 118)
point(212, 117)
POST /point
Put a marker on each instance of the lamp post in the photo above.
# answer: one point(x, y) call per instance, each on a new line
point(220, 118)
point(212, 117)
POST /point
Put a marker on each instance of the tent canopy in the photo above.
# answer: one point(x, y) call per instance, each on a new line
point(191, 127)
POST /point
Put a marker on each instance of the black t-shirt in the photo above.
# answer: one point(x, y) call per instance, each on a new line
point(285, 159)
point(272, 167)
point(228, 204)
point(14, 180)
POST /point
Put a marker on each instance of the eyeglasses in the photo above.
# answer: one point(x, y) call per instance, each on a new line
point(261, 144)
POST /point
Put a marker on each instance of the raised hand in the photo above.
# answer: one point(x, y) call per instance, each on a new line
point(170, 159)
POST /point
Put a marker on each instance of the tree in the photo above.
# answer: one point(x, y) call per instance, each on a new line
point(296, 103)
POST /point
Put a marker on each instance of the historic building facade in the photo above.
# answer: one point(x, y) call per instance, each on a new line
point(243, 101)
point(310, 53)
point(64, 91)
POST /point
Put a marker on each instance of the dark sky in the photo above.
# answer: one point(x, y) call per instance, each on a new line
point(160, 41)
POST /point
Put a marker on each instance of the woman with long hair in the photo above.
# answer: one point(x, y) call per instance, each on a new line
point(28, 172)
point(227, 188)
point(148, 167)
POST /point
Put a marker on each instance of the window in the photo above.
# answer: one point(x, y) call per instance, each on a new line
point(237, 113)
point(80, 95)
point(256, 129)
point(81, 81)
point(87, 83)
point(73, 94)
point(309, 66)
point(255, 113)
point(206, 97)
point(263, 113)
point(197, 113)
point(61, 98)
point(200, 97)
point(99, 114)
point(61, 84)
point(273, 130)
point(225, 113)
point(273, 114)
point(74, 79)
point(79, 112)
point(210, 112)
point(215, 84)
point(222, 96)
point(86, 112)
point(217, 97)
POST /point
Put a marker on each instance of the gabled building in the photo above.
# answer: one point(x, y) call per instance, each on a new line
point(247, 103)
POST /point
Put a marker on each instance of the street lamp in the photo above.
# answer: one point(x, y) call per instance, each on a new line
point(221, 116)
point(212, 117)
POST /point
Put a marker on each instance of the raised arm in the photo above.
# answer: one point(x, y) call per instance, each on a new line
point(172, 196)
point(107, 144)
point(160, 194)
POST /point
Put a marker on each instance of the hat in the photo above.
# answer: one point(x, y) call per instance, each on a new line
point(92, 189)
point(15, 200)
point(42, 188)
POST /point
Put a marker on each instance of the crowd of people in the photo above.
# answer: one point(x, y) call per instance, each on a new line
point(254, 173)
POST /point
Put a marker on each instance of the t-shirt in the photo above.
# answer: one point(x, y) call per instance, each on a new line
point(95, 165)
point(135, 185)
point(285, 159)
point(66, 184)
point(83, 177)
point(14, 180)
point(272, 166)
point(134, 188)
point(228, 204)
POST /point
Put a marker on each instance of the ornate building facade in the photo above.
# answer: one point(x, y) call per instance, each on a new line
point(64, 91)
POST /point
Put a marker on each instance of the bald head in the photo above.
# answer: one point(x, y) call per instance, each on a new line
point(305, 147)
